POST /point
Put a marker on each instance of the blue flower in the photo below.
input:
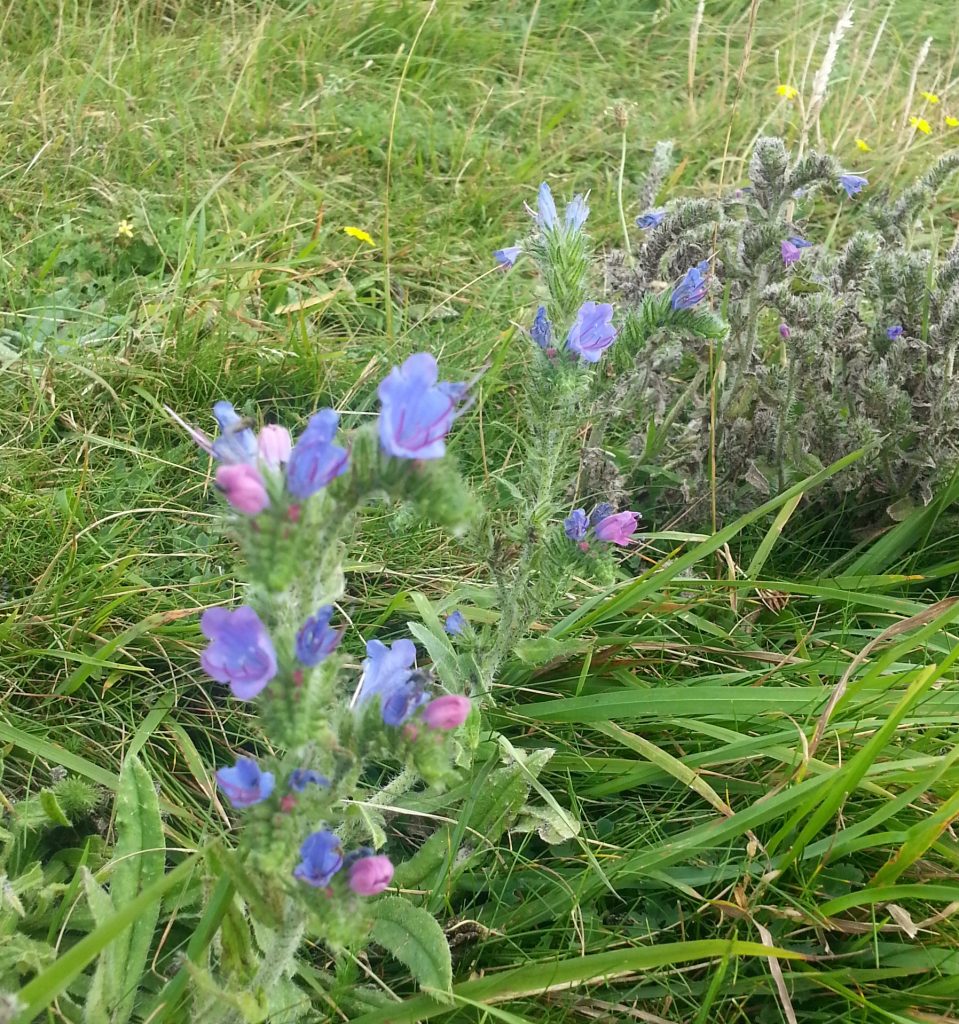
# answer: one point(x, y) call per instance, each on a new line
point(692, 289)
point(542, 330)
point(853, 184)
point(508, 256)
point(321, 857)
point(576, 524)
point(602, 510)
point(592, 331)
point(546, 207)
point(240, 651)
point(237, 442)
point(315, 461)
point(316, 640)
point(894, 332)
point(417, 412)
point(244, 784)
point(403, 700)
point(650, 219)
point(455, 623)
point(388, 674)
point(577, 210)
point(300, 778)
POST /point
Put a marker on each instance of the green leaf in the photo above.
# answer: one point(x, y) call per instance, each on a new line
point(414, 937)
point(139, 858)
point(540, 650)
point(52, 809)
point(44, 988)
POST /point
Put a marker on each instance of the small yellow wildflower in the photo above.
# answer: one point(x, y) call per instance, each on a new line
point(360, 234)
point(863, 145)
point(953, 122)
point(789, 92)
point(124, 230)
point(921, 125)
point(929, 97)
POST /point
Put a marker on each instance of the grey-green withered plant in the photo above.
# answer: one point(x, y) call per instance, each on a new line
point(830, 347)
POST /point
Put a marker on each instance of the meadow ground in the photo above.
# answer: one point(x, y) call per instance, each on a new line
point(175, 181)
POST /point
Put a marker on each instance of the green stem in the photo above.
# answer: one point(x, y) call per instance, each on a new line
point(513, 622)
point(784, 408)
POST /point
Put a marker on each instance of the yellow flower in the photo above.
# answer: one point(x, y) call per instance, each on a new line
point(953, 122)
point(929, 97)
point(360, 234)
point(124, 230)
point(789, 92)
point(921, 125)
point(863, 145)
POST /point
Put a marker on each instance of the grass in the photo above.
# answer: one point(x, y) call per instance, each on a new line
point(238, 139)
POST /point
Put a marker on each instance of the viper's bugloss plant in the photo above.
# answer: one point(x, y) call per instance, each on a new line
point(344, 743)
point(330, 729)
point(831, 347)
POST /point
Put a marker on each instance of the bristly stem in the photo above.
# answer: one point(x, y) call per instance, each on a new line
point(619, 197)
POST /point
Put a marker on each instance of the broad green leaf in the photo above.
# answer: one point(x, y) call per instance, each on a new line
point(414, 937)
point(138, 859)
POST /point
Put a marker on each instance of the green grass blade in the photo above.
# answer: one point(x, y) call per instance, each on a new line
point(537, 978)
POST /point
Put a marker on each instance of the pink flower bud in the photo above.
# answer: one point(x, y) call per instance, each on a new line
point(243, 488)
point(446, 712)
point(274, 444)
point(370, 875)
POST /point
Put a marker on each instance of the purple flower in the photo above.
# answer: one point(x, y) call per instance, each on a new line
point(244, 783)
point(546, 206)
point(601, 512)
point(692, 289)
point(243, 487)
point(576, 524)
point(274, 444)
point(784, 332)
point(790, 249)
point(321, 856)
point(455, 623)
point(388, 673)
point(370, 875)
point(853, 184)
point(577, 210)
point(240, 652)
point(316, 640)
point(542, 330)
point(446, 712)
point(315, 461)
point(894, 332)
point(618, 528)
point(397, 705)
point(790, 252)
point(300, 778)
point(592, 331)
point(507, 256)
point(417, 412)
point(237, 442)
point(650, 219)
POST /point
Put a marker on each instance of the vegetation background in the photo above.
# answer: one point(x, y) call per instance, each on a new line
point(175, 181)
